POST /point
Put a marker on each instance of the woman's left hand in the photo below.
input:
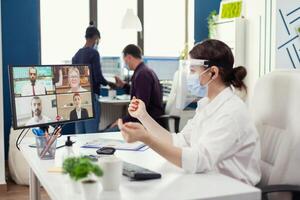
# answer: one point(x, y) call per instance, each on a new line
point(132, 132)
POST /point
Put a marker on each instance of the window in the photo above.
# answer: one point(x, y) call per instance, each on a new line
point(164, 27)
point(63, 25)
point(113, 37)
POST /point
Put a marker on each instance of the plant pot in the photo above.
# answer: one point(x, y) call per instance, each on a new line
point(90, 189)
point(74, 185)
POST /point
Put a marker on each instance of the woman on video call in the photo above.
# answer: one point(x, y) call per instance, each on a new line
point(78, 112)
point(74, 80)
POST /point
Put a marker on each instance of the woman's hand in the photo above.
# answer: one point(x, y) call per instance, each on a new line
point(137, 108)
point(133, 132)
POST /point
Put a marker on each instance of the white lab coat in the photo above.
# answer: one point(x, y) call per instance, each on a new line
point(221, 137)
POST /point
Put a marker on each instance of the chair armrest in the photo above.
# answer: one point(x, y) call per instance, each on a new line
point(294, 189)
point(280, 188)
point(169, 117)
point(175, 118)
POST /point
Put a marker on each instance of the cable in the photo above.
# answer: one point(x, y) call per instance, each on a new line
point(23, 136)
point(17, 141)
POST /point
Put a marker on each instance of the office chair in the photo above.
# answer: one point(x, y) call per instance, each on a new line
point(164, 121)
point(276, 107)
point(171, 112)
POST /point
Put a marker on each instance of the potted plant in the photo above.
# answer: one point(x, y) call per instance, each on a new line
point(83, 171)
point(211, 20)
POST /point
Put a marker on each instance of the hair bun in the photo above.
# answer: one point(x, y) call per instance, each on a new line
point(239, 73)
point(237, 77)
point(92, 23)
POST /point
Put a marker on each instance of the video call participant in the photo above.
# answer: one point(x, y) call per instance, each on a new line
point(144, 85)
point(78, 112)
point(33, 88)
point(74, 80)
point(88, 54)
point(36, 108)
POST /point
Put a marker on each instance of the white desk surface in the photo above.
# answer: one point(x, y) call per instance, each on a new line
point(121, 100)
point(174, 184)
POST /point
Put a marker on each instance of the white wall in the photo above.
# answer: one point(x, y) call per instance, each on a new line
point(287, 13)
point(2, 162)
point(265, 32)
point(260, 39)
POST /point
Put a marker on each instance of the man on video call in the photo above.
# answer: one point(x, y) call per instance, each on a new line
point(144, 85)
point(36, 108)
point(33, 88)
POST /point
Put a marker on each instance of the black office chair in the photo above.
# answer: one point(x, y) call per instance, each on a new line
point(165, 119)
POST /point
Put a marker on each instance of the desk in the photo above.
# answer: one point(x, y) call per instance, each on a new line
point(112, 109)
point(174, 184)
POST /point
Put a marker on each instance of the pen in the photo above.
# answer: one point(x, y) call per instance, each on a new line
point(52, 139)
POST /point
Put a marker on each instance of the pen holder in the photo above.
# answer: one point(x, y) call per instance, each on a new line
point(43, 144)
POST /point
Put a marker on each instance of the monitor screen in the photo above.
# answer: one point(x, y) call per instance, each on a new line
point(48, 94)
point(164, 67)
point(111, 66)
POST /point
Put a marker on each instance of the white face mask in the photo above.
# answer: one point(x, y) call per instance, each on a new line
point(194, 85)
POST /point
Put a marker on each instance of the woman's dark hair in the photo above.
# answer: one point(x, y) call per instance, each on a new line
point(220, 55)
point(133, 50)
point(92, 31)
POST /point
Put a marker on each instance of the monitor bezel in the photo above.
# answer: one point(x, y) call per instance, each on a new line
point(13, 103)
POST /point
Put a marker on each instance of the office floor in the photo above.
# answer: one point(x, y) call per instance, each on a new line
point(18, 192)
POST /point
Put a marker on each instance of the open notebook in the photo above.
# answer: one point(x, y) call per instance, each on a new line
point(117, 144)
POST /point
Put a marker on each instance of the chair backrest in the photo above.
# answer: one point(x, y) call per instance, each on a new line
point(170, 108)
point(275, 106)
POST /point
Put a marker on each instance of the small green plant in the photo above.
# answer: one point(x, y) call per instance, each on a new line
point(211, 21)
point(80, 167)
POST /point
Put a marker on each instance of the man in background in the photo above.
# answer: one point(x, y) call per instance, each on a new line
point(144, 85)
point(33, 88)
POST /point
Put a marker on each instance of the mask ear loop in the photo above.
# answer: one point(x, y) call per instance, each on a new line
point(212, 79)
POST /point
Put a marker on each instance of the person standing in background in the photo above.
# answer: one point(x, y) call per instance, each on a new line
point(89, 54)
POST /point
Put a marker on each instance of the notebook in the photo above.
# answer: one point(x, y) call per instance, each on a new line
point(117, 144)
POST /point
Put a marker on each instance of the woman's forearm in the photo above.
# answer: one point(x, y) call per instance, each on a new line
point(165, 149)
point(155, 129)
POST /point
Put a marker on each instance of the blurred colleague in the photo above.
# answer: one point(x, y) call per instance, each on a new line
point(78, 112)
point(74, 80)
point(33, 88)
point(144, 85)
point(36, 109)
point(88, 54)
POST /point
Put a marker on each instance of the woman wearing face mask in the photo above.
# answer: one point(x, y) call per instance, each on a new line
point(221, 137)
point(89, 54)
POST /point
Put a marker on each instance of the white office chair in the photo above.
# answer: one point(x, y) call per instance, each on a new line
point(276, 110)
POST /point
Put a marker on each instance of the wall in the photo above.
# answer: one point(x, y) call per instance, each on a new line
point(2, 164)
point(202, 10)
point(287, 39)
point(265, 33)
point(21, 44)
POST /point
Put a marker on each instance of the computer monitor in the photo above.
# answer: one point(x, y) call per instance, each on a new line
point(111, 66)
point(43, 95)
point(164, 67)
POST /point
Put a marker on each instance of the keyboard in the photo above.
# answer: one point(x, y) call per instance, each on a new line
point(136, 172)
